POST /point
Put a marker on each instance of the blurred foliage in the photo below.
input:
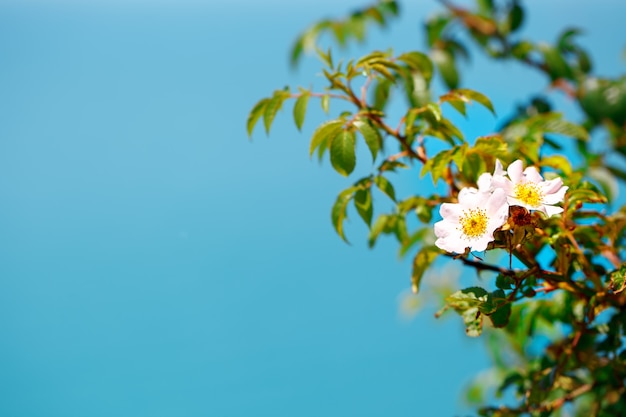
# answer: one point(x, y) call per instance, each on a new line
point(556, 324)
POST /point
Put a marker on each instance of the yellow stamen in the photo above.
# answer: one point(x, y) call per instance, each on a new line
point(528, 193)
point(473, 223)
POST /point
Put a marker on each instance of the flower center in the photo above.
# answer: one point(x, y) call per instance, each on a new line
point(528, 193)
point(473, 223)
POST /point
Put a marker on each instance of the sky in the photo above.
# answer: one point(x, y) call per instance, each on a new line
point(156, 262)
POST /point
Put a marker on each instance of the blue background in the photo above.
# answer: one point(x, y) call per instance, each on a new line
point(154, 262)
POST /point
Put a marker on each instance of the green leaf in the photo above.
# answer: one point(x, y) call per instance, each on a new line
point(556, 65)
point(439, 163)
point(421, 262)
point(554, 124)
point(447, 67)
point(618, 279)
point(299, 109)
point(456, 101)
point(381, 92)
point(339, 212)
point(380, 225)
point(414, 239)
point(385, 186)
point(473, 165)
point(504, 282)
point(516, 17)
point(419, 62)
point(273, 105)
point(477, 97)
point(500, 318)
point(435, 27)
point(325, 102)
point(255, 114)
point(564, 42)
point(450, 131)
point(432, 113)
point(520, 50)
point(296, 51)
point(467, 298)
point(558, 162)
point(324, 133)
point(363, 205)
point(473, 322)
point(342, 152)
point(371, 135)
point(492, 146)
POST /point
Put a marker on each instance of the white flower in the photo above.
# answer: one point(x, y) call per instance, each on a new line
point(528, 189)
point(470, 223)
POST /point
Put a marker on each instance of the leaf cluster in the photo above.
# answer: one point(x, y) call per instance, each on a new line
point(561, 282)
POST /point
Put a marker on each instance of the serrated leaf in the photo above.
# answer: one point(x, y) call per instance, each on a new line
point(363, 204)
point(559, 162)
point(273, 105)
point(342, 152)
point(439, 163)
point(491, 145)
point(339, 212)
point(385, 186)
point(566, 128)
point(324, 133)
point(371, 135)
point(299, 109)
point(477, 97)
point(255, 114)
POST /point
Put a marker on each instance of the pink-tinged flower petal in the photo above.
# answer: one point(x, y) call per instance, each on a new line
point(442, 228)
point(451, 212)
point(449, 238)
point(515, 171)
point(552, 210)
point(469, 197)
point(551, 186)
point(481, 244)
point(484, 182)
point(556, 197)
point(515, 202)
point(496, 202)
point(499, 171)
point(533, 175)
point(504, 183)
